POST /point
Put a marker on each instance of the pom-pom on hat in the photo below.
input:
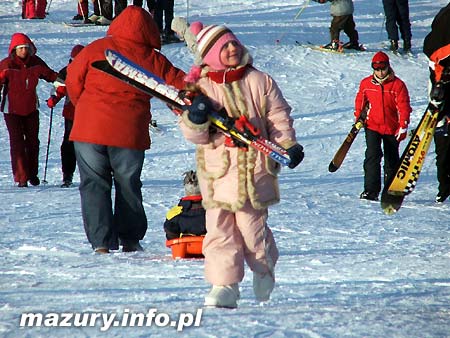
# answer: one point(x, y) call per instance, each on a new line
point(196, 27)
point(210, 41)
point(380, 60)
point(75, 50)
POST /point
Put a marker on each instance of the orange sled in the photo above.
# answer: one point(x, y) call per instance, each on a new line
point(186, 247)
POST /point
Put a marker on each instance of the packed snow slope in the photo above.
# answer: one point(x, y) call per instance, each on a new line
point(346, 269)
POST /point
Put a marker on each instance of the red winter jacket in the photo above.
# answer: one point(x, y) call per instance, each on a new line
point(19, 78)
point(108, 111)
point(389, 104)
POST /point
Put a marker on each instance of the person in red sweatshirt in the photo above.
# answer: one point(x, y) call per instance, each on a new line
point(111, 130)
point(19, 76)
point(387, 122)
point(68, 159)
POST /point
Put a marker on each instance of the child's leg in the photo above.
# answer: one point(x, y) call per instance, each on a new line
point(350, 29)
point(223, 248)
point(261, 253)
point(336, 26)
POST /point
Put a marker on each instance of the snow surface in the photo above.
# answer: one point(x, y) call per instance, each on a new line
point(346, 269)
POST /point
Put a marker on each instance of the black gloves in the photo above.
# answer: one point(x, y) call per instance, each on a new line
point(199, 109)
point(296, 154)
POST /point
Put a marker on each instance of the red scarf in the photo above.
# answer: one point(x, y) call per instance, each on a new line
point(193, 198)
point(227, 76)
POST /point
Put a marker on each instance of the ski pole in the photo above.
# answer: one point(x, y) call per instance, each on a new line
point(44, 181)
point(47, 12)
point(300, 11)
point(82, 11)
point(187, 10)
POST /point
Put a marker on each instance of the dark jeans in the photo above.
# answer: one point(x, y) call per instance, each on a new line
point(105, 7)
point(99, 166)
point(397, 18)
point(345, 23)
point(372, 161)
point(162, 8)
point(442, 147)
point(68, 159)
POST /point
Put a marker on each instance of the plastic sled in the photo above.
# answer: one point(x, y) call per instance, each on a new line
point(186, 247)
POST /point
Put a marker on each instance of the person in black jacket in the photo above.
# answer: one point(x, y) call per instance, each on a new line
point(397, 18)
point(437, 47)
point(188, 217)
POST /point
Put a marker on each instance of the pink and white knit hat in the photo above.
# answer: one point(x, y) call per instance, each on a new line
point(210, 41)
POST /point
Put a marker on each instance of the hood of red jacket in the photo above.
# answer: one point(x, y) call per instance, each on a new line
point(18, 39)
point(124, 27)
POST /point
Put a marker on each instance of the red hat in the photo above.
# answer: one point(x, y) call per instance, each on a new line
point(75, 50)
point(380, 58)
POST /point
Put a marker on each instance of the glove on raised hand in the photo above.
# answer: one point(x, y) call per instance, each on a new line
point(296, 154)
point(199, 110)
point(401, 133)
point(52, 101)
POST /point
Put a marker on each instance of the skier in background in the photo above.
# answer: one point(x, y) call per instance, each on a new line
point(82, 10)
point(437, 47)
point(33, 9)
point(20, 73)
point(387, 122)
point(342, 13)
point(397, 18)
point(238, 183)
point(68, 160)
point(163, 9)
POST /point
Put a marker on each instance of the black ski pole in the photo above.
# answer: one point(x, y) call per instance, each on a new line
point(44, 181)
point(47, 12)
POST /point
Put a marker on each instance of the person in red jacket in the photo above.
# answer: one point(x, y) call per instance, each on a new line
point(68, 159)
point(111, 129)
point(19, 76)
point(387, 122)
point(33, 9)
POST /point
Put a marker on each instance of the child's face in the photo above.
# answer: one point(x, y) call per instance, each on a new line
point(381, 72)
point(22, 52)
point(231, 54)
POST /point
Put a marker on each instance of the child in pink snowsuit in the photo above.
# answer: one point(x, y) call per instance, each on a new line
point(237, 184)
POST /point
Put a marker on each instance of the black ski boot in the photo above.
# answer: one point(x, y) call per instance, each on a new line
point(394, 46)
point(67, 181)
point(407, 46)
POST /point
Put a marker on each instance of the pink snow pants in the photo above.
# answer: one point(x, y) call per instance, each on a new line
point(233, 238)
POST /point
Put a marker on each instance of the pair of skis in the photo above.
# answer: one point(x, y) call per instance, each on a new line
point(240, 131)
point(403, 182)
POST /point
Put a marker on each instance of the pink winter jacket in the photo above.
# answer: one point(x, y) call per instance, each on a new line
point(229, 176)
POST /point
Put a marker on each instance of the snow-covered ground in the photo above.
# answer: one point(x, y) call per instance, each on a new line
point(346, 269)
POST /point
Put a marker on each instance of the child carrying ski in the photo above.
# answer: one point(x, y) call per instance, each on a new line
point(238, 184)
